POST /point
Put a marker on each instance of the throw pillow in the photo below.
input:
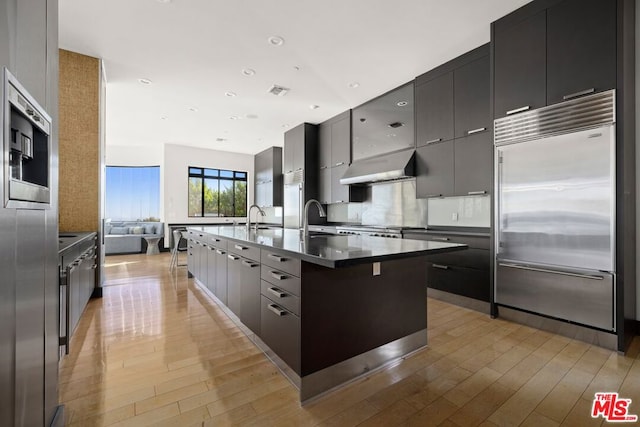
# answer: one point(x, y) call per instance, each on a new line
point(137, 230)
point(120, 230)
point(149, 229)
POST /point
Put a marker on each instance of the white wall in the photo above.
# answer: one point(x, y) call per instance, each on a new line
point(121, 155)
point(177, 159)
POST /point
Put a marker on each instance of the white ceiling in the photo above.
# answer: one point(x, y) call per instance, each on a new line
point(193, 51)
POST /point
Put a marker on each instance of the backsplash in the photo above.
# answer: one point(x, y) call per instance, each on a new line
point(467, 211)
point(345, 213)
point(273, 215)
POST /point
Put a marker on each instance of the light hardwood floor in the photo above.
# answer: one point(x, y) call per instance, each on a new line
point(155, 350)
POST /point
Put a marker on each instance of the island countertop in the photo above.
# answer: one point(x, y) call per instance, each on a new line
point(330, 250)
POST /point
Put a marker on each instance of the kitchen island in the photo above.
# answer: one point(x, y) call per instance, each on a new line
point(325, 308)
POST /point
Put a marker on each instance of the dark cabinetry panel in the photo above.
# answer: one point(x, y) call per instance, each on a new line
point(434, 110)
point(281, 332)
point(324, 145)
point(324, 185)
point(459, 280)
point(520, 65)
point(473, 164)
point(250, 294)
point(234, 283)
point(471, 97)
point(581, 48)
point(341, 141)
point(434, 170)
point(268, 177)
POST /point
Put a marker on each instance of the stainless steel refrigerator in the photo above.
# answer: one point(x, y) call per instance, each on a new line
point(555, 211)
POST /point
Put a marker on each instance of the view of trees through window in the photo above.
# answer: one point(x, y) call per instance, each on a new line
point(217, 192)
point(132, 193)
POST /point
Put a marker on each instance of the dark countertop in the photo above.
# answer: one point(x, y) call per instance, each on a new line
point(330, 250)
point(68, 239)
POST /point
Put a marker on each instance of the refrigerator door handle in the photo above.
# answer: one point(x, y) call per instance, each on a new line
point(544, 270)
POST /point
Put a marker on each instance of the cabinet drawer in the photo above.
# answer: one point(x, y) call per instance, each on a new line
point(281, 279)
point(244, 250)
point(281, 262)
point(215, 241)
point(281, 297)
point(467, 282)
point(281, 332)
point(470, 258)
point(478, 242)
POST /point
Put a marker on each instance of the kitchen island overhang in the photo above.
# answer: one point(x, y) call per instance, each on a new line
point(331, 308)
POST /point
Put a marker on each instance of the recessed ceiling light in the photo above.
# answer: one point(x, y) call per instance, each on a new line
point(145, 81)
point(251, 116)
point(314, 107)
point(230, 94)
point(193, 109)
point(234, 118)
point(391, 135)
point(285, 125)
point(248, 72)
point(221, 139)
point(402, 103)
point(276, 41)
point(163, 118)
point(354, 85)
point(297, 67)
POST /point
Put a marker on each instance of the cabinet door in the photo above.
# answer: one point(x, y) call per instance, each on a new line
point(191, 267)
point(520, 66)
point(250, 295)
point(287, 165)
point(473, 164)
point(264, 194)
point(324, 147)
point(324, 190)
point(211, 270)
point(341, 142)
point(471, 101)
point(434, 169)
point(294, 147)
point(281, 332)
point(234, 282)
point(31, 47)
point(221, 275)
point(434, 110)
point(581, 48)
point(203, 250)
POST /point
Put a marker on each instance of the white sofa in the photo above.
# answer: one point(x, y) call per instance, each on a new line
point(125, 237)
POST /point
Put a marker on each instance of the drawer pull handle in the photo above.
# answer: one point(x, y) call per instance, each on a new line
point(476, 193)
point(440, 266)
point(249, 264)
point(431, 141)
point(472, 131)
point(544, 270)
point(323, 168)
point(277, 292)
point(441, 239)
point(339, 201)
point(580, 93)
point(233, 257)
point(277, 258)
point(241, 248)
point(216, 240)
point(219, 252)
point(518, 110)
point(433, 195)
point(94, 266)
point(278, 276)
point(274, 308)
point(339, 163)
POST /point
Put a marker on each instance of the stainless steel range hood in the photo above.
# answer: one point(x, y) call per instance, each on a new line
point(386, 167)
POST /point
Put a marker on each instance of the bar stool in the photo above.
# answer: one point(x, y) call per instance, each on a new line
point(179, 245)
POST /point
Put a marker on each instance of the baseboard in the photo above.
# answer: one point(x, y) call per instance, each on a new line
point(459, 300)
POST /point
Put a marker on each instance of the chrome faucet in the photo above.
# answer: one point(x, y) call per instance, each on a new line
point(260, 211)
point(323, 214)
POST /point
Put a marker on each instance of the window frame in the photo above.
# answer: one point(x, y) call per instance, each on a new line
point(229, 176)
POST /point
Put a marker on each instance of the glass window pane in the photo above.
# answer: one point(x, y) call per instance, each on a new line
point(210, 197)
point(226, 174)
point(132, 193)
point(241, 175)
point(195, 171)
point(241, 198)
point(211, 172)
point(195, 196)
point(226, 197)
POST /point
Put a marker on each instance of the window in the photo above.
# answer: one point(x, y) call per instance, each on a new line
point(132, 193)
point(217, 192)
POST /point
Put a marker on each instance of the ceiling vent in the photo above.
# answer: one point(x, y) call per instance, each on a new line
point(278, 90)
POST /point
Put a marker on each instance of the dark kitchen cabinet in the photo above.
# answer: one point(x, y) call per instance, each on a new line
point(341, 141)
point(324, 185)
point(473, 164)
point(294, 148)
point(268, 177)
point(221, 275)
point(287, 165)
point(434, 110)
point(324, 145)
point(434, 170)
point(581, 48)
point(250, 294)
point(341, 193)
point(519, 65)
point(471, 97)
point(234, 283)
point(280, 330)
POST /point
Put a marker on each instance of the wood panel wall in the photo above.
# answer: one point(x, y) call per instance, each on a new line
point(79, 109)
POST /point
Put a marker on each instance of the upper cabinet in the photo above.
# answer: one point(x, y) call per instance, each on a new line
point(335, 156)
point(454, 154)
point(581, 48)
point(300, 148)
point(549, 52)
point(268, 177)
point(384, 124)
